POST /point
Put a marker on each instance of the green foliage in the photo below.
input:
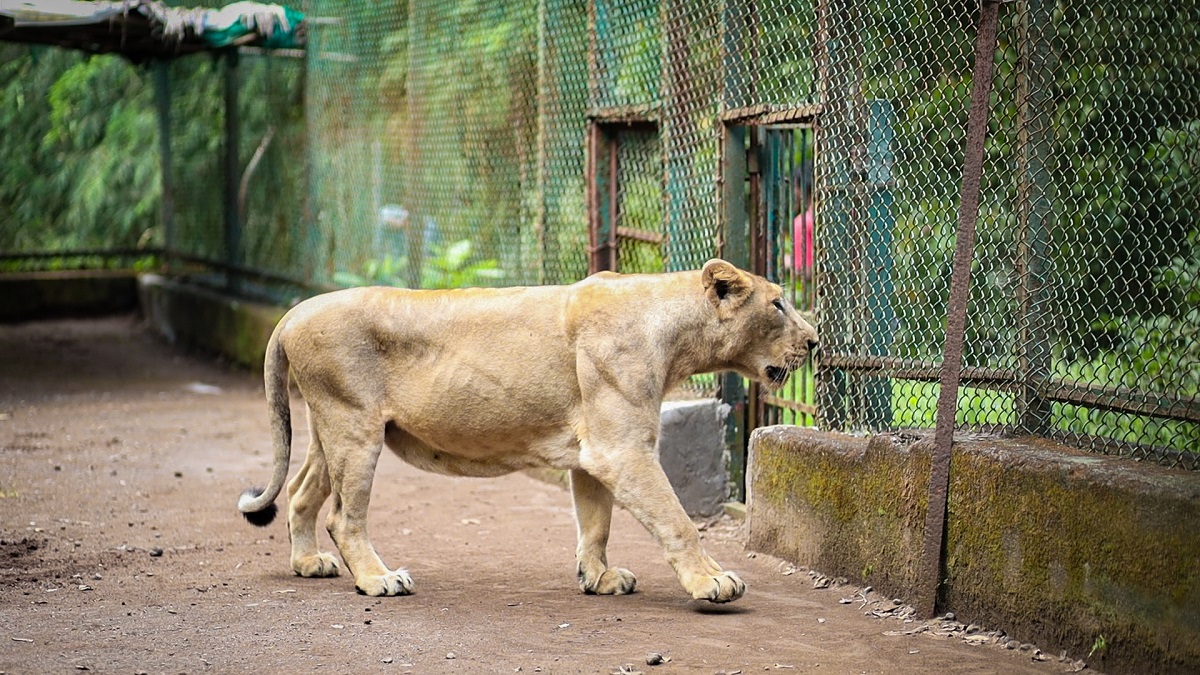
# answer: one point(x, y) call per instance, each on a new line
point(914, 404)
point(79, 168)
point(104, 131)
point(450, 266)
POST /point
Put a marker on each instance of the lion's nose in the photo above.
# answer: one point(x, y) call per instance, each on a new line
point(812, 344)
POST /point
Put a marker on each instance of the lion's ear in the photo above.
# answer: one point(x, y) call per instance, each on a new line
point(724, 283)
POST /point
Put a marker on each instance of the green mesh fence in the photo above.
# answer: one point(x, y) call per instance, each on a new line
point(270, 244)
point(197, 114)
point(426, 146)
point(1084, 293)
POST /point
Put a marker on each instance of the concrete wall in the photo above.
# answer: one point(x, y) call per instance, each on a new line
point(44, 295)
point(1053, 545)
point(204, 319)
point(691, 449)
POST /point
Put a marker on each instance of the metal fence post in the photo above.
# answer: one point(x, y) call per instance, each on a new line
point(233, 226)
point(735, 249)
point(162, 102)
point(1034, 212)
point(930, 573)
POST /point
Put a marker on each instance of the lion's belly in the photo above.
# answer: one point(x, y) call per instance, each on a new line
point(450, 452)
point(510, 404)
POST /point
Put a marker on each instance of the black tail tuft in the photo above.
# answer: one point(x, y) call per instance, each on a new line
point(260, 518)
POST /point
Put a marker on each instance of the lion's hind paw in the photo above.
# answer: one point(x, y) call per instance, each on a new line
point(614, 581)
point(397, 582)
point(319, 565)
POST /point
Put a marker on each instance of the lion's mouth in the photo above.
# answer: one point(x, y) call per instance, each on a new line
point(777, 375)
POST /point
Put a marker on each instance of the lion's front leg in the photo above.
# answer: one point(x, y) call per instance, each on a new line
point(593, 516)
point(618, 449)
point(638, 482)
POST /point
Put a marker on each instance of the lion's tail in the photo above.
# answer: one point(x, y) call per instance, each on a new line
point(256, 504)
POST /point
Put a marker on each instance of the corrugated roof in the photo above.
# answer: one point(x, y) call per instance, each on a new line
point(144, 29)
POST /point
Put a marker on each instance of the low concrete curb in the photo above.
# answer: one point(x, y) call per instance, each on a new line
point(1053, 545)
point(45, 295)
point(207, 320)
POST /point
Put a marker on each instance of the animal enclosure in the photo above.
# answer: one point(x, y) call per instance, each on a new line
point(441, 144)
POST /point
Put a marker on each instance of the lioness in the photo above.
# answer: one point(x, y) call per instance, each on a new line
point(482, 382)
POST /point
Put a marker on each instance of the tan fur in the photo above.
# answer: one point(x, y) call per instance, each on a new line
point(481, 382)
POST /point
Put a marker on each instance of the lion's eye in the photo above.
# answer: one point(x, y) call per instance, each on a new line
point(778, 304)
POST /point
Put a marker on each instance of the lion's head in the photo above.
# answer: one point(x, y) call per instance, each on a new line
point(765, 337)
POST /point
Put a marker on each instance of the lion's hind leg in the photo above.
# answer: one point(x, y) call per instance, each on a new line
point(307, 492)
point(593, 516)
point(352, 448)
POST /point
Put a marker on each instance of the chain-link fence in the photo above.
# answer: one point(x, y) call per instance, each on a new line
point(1085, 298)
point(440, 144)
point(241, 218)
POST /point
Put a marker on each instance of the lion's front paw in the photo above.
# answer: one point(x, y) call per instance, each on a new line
point(724, 587)
point(392, 583)
point(319, 565)
point(614, 581)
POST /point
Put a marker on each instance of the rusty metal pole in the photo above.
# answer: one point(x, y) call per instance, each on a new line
point(233, 224)
point(162, 103)
point(929, 582)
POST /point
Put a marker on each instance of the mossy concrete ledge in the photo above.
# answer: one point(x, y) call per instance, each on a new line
point(204, 319)
point(1066, 549)
point(43, 295)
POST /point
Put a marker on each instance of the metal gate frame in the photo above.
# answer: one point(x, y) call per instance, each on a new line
point(755, 202)
point(605, 231)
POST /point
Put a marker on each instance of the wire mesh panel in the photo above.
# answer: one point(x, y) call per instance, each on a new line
point(1083, 289)
point(562, 126)
point(881, 198)
point(639, 219)
point(691, 132)
point(1107, 120)
point(770, 55)
point(357, 68)
point(471, 95)
point(197, 173)
point(272, 187)
point(439, 119)
point(625, 60)
point(625, 150)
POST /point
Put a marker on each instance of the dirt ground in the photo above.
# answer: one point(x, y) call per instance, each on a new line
point(121, 460)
